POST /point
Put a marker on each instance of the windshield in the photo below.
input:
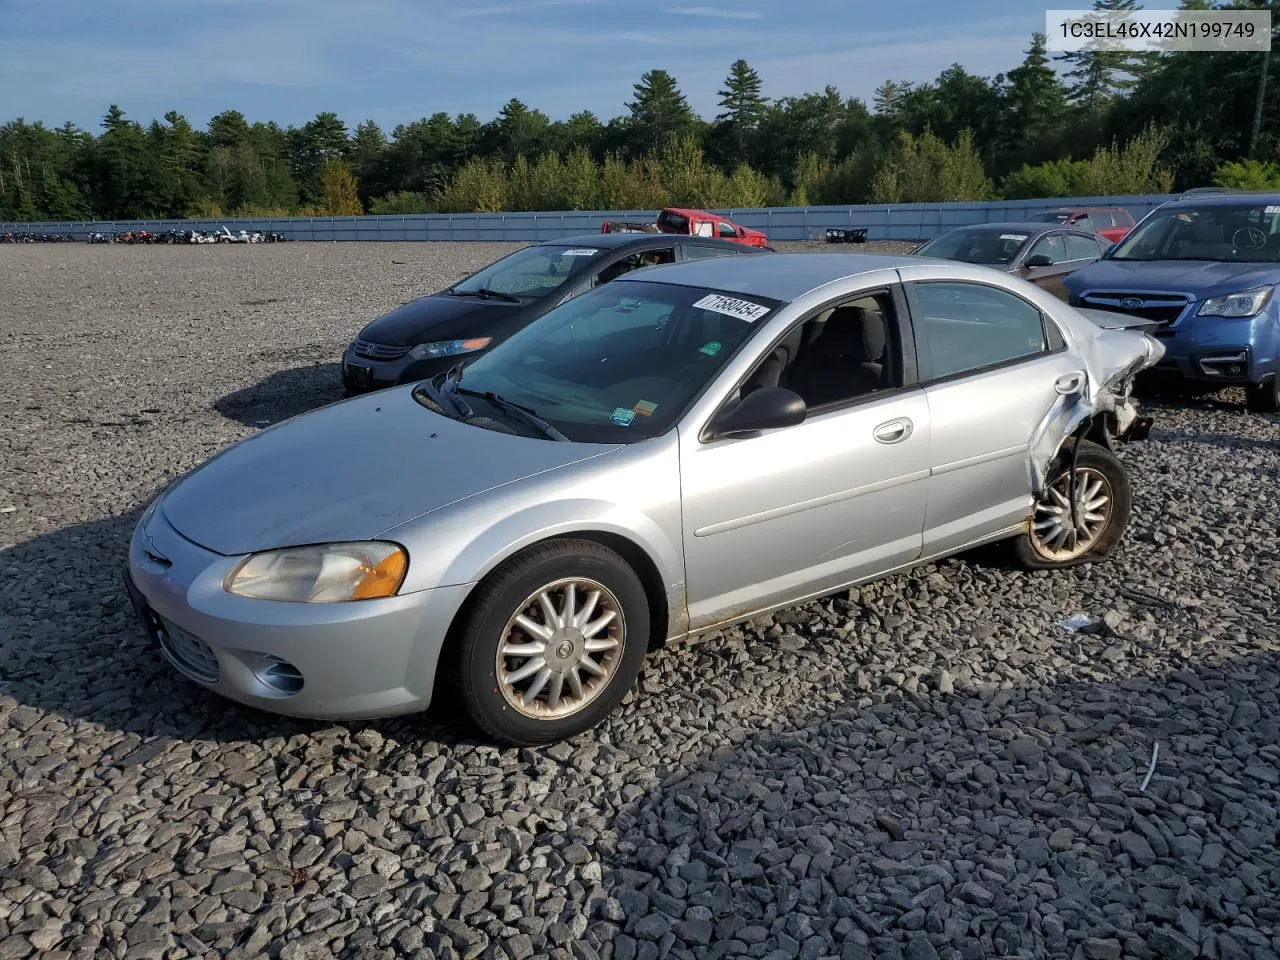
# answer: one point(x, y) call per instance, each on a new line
point(1053, 216)
point(989, 247)
point(620, 363)
point(532, 272)
point(1236, 232)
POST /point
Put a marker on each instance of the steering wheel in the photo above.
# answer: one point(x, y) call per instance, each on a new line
point(1257, 239)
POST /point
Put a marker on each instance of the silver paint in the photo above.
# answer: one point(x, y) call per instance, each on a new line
point(729, 528)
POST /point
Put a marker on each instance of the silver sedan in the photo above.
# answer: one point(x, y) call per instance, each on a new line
point(688, 447)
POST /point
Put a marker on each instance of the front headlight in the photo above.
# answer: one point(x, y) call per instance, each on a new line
point(1244, 304)
point(326, 573)
point(448, 348)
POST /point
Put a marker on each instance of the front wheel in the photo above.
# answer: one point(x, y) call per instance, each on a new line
point(1264, 397)
point(554, 639)
point(1103, 500)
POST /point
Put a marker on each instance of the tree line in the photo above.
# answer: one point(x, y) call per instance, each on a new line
point(1093, 122)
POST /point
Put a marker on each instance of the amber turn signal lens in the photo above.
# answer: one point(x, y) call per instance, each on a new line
point(382, 579)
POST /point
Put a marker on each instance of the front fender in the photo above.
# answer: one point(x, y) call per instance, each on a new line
point(632, 494)
point(513, 533)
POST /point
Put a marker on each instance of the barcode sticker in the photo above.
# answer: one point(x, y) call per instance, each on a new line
point(580, 252)
point(732, 307)
point(1013, 236)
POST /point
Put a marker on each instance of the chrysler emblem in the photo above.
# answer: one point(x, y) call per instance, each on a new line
point(1130, 303)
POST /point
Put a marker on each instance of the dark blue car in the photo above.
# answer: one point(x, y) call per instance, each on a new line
point(1204, 269)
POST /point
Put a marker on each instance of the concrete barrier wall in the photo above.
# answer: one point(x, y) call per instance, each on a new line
point(908, 221)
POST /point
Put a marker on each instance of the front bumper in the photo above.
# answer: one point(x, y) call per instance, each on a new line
point(364, 375)
point(331, 661)
point(1215, 350)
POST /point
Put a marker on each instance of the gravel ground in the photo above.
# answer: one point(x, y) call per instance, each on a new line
point(926, 767)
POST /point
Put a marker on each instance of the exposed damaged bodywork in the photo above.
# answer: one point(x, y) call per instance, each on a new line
point(1100, 406)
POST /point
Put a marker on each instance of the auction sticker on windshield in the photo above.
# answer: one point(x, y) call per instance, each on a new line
point(1270, 211)
point(732, 307)
point(622, 416)
point(1013, 236)
point(580, 252)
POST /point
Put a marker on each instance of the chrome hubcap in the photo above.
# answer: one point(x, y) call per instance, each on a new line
point(561, 648)
point(1052, 533)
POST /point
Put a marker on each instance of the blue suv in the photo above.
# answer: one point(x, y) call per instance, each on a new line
point(1205, 270)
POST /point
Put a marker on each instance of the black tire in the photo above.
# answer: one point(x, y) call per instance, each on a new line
point(1263, 397)
point(1093, 461)
point(503, 594)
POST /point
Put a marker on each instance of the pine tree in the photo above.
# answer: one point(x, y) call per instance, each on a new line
point(1036, 100)
point(1100, 71)
point(658, 112)
point(743, 106)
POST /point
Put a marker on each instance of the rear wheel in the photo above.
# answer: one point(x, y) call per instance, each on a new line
point(554, 640)
point(1103, 500)
point(1264, 397)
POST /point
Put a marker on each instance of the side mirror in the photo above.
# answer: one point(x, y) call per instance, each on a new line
point(766, 408)
point(1038, 260)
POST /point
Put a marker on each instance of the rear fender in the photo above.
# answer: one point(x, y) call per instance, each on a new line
point(1102, 411)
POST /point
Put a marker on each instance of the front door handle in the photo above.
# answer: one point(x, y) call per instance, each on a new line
point(895, 431)
point(1069, 383)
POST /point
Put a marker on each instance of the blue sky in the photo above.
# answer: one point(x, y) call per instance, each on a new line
point(397, 60)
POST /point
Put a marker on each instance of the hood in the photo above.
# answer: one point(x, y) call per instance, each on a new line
point(439, 317)
point(350, 471)
point(1200, 278)
point(1112, 320)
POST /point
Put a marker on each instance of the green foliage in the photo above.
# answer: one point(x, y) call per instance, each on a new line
point(1132, 169)
point(924, 169)
point(400, 202)
point(340, 196)
point(1098, 73)
point(658, 112)
point(479, 187)
point(1248, 175)
point(935, 141)
point(1057, 178)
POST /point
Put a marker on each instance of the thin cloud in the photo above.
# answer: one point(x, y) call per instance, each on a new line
point(716, 13)
point(507, 9)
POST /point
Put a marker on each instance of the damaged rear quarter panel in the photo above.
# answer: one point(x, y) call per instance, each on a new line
point(1112, 357)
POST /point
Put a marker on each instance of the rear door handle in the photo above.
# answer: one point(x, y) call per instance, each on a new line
point(895, 431)
point(1069, 383)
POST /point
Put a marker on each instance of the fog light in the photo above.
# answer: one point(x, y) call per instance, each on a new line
point(280, 675)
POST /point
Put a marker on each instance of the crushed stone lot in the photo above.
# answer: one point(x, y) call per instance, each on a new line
point(928, 767)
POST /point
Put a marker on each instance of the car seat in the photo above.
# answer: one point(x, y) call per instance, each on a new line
point(770, 373)
point(846, 359)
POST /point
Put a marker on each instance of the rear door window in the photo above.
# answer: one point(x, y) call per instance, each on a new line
point(1051, 247)
point(1080, 247)
point(964, 327)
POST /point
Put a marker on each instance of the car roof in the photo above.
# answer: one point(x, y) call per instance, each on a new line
point(1225, 199)
point(1029, 227)
point(610, 241)
point(784, 276)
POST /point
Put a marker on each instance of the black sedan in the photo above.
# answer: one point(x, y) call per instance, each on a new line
point(432, 334)
point(1043, 253)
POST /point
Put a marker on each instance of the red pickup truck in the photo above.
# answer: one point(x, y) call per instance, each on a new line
point(695, 223)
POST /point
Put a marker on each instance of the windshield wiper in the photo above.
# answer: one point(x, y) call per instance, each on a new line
point(524, 414)
point(449, 403)
point(486, 294)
